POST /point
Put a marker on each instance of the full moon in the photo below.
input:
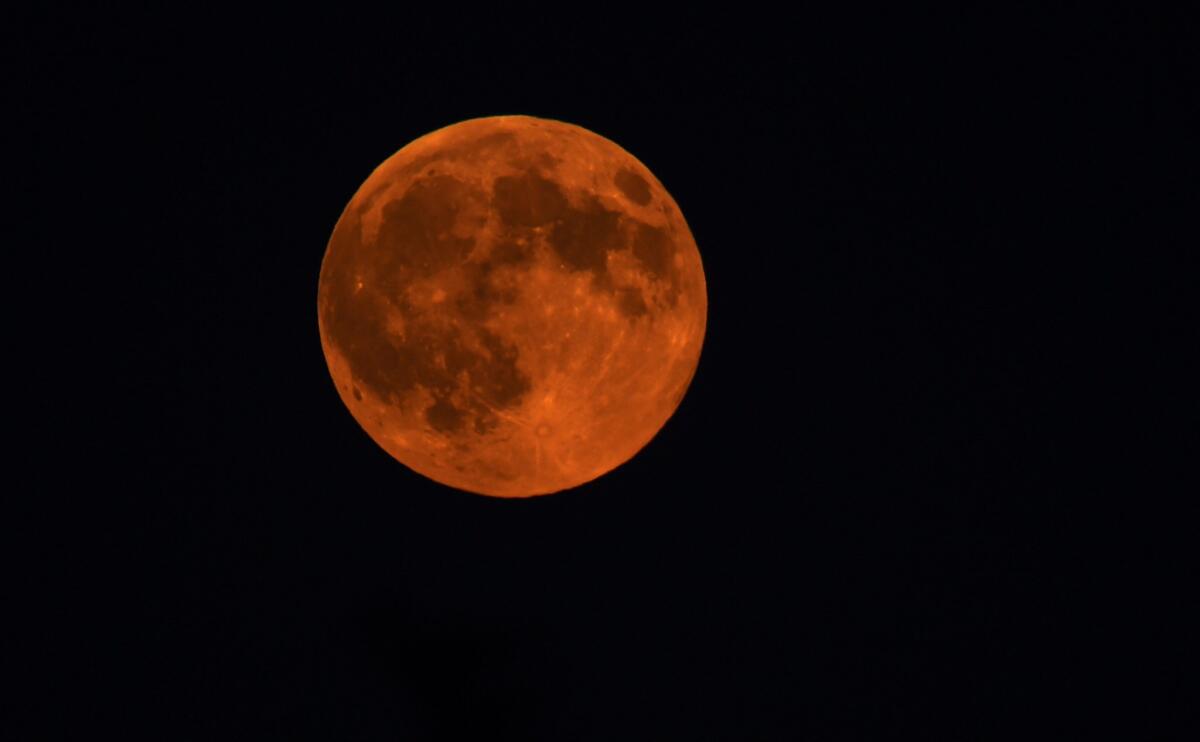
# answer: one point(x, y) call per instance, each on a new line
point(512, 306)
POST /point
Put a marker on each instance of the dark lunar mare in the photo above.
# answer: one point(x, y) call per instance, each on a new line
point(414, 241)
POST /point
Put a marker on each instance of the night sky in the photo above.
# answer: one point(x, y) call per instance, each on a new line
point(862, 520)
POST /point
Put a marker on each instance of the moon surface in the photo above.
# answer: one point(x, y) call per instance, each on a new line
point(512, 306)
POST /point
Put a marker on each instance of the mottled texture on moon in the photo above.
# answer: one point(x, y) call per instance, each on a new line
point(512, 306)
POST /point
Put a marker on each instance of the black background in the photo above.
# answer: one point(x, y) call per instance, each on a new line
point(869, 516)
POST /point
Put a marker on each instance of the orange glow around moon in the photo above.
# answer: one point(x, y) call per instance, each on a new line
point(512, 306)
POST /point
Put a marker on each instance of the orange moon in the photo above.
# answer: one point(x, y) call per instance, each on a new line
point(512, 306)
